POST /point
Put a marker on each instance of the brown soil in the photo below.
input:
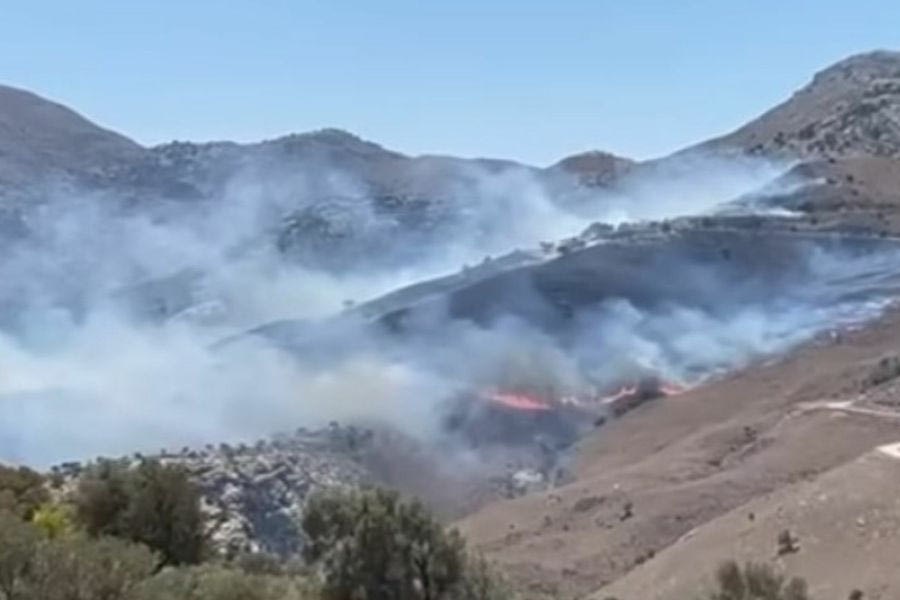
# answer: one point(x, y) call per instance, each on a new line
point(693, 463)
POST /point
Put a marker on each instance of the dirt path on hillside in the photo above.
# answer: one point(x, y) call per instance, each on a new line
point(668, 467)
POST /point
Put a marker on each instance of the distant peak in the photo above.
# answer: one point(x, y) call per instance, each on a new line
point(860, 68)
point(327, 134)
point(595, 167)
point(875, 59)
point(41, 135)
point(592, 160)
point(329, 137)
point(848, 109)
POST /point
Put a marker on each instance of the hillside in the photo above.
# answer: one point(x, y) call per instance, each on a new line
point(326, 199)
point(40, 138)
point(670, 467)
point(844, 523)
point(852, 108)
point(594, 168)
point(676, 486)
point(490, 372)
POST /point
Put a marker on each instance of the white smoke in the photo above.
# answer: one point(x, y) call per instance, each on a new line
point(82, 372)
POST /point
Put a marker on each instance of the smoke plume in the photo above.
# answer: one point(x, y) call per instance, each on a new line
point(113, 314)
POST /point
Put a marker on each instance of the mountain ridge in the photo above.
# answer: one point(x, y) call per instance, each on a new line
point(849, 108)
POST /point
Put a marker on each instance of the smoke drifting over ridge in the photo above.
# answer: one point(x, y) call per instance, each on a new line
point(112, 313)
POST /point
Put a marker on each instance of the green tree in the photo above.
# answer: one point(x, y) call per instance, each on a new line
point(373, 545)
point(22, 490)
point(756, 581)
point(150, 503)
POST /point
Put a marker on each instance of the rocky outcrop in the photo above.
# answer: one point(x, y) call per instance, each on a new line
point(254, 494)
point(849, 109)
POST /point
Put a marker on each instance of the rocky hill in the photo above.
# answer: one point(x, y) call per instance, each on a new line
point(41, 140)
point(790, 442)
point(595, 168)
point(852, 108)
point(329, 198)
point(794, 444)
point(253, 495)
point(754, 450)
point(839, 523)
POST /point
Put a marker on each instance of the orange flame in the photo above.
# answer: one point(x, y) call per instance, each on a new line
point(624, 392)
point(517, 400)
point(664, 388)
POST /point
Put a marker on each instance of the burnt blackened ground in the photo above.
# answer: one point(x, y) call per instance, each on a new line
point(711, 268)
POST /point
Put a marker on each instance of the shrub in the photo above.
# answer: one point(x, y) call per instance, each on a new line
point(755, 582)
point(218, 583)
point(787, 543)
point(259, 563)
point(150, 503)
point(482, 582)
point(80, 568)
point(22, 491)
point(887, 369)
point(53, 520)
point(374, 545)
point(67, 568)
point(18, 545)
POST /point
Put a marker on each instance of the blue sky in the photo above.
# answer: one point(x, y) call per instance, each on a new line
point(528, 80)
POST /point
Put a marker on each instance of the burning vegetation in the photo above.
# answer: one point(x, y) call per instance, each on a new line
point(519, 417)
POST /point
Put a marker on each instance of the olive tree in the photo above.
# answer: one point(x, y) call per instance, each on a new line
point(373, 545)
point(150, 503)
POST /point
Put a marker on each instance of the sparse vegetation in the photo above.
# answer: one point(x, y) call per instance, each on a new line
point(135, 533)
point(755, 581)
point(787, 543)
point(887, 369)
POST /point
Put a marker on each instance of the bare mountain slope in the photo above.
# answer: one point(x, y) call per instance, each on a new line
point(845, 524)
point(860, 193)
point(42, 141)
point(851, 108)
point(38, 136)
point(327, 197)
point(669, 467)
